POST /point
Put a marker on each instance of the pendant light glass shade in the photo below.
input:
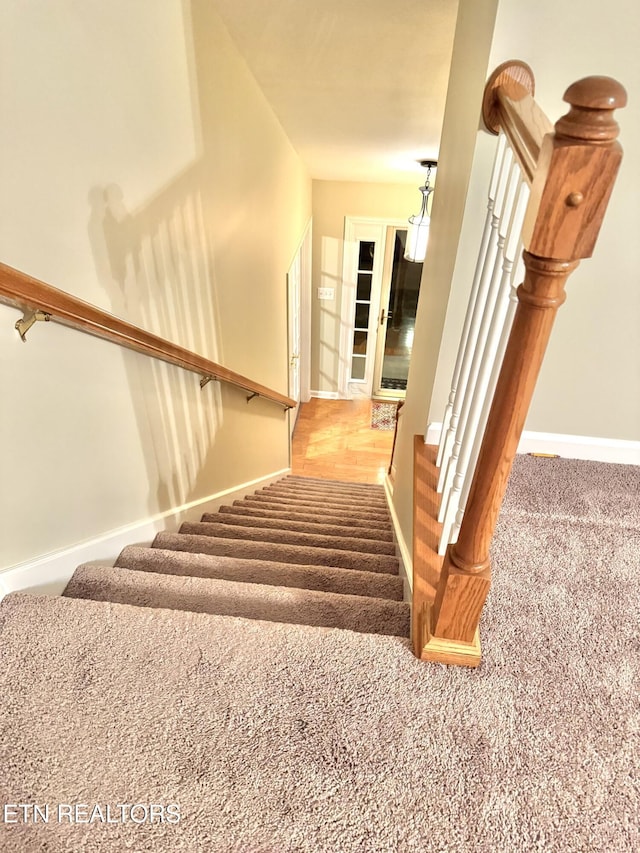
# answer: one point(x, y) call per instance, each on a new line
point(417, 238)
point(418, 235)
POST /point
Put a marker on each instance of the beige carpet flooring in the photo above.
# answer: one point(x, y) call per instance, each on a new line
point(274, 737)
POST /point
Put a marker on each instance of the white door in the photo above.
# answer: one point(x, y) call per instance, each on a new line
point(396, 318)
point(365, 248)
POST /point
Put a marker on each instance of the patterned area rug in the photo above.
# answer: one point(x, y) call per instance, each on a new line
point(394, 384)
point(383, 415)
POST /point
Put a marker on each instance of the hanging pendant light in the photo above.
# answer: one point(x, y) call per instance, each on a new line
point(418, 235)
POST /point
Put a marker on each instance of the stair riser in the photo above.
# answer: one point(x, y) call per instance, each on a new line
point(250, 601)
point(279, 553)
point(254, 511)
point(291, 503)
point(339, 493)
point(286, 537)
point(321, 499)
point(318, 578)
point(300, 551)
point(332, 484)
point(296, 526)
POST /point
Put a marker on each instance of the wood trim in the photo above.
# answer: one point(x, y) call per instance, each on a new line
point(427, 566)
point(509, 106)
point(526, 126)
point(443, 650)
point(399, 408)
point(575, 172)
point(22, 291)
point(426, 533)
point(540, 297)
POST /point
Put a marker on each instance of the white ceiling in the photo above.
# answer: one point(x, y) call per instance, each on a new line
point(358, 85)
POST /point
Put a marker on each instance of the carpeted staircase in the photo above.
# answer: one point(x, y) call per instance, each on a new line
point(297, 551)
point(306, 738)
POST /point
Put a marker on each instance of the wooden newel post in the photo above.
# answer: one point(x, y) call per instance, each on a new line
point(571, 188)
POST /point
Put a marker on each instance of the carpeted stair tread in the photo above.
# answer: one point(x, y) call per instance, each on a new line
point(288, 537)
point(284, 502)
point(269, 572)
point(246, 600)
point(325, 498)
point(291, 737)
point(282, 553)
point(376, 500)
point(345, 519)
point(318, 489)
point(297, 526)
point(287, 505)
point(361, 499)
point(321, 495)
point(333, 484)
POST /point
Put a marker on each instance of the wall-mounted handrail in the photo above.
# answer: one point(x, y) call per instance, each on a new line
point(26, 293)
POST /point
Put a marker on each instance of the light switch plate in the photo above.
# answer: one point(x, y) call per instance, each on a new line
point(326, 293)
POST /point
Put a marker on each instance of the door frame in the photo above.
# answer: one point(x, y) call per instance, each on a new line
point(294, 289)
point(356, 229)
point(300, 268)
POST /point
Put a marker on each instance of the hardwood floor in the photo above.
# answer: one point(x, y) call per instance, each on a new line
point(334, 439)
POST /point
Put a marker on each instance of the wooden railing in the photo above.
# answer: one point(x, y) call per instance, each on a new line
point(569, 171)
point(47, 302)
point(399, 407)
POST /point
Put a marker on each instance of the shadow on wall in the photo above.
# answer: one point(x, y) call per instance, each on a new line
point(155, 264)
point(330, 325)
point(331, 366)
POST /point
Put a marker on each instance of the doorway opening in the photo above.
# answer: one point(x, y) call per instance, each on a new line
point(379, 302)
point(399, 303)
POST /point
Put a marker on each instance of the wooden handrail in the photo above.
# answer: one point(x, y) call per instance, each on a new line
point(22, 291)
point(399, 408)
point(509, 106)
point(575, 171)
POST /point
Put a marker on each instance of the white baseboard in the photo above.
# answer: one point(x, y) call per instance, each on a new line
point(569, 446)
point(433, 433)
point(50, 573)
point(581, 447)
point(325, 395)
point(406, 557)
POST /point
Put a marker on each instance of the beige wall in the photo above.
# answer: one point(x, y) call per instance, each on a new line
point(332, 201)
point(590, 381)
point(459, 131)
point(142, 170)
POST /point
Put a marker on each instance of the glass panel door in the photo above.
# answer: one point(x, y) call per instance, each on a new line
point(366, 252)
point(397, 321)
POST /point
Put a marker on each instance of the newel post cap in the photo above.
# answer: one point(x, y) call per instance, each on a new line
point(592, 101)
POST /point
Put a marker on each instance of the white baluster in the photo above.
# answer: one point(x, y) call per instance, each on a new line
point(488, 341)
point(458, 383)
point(513, 248)
point(475, 343)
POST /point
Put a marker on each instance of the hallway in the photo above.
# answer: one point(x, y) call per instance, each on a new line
point(334, 439)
